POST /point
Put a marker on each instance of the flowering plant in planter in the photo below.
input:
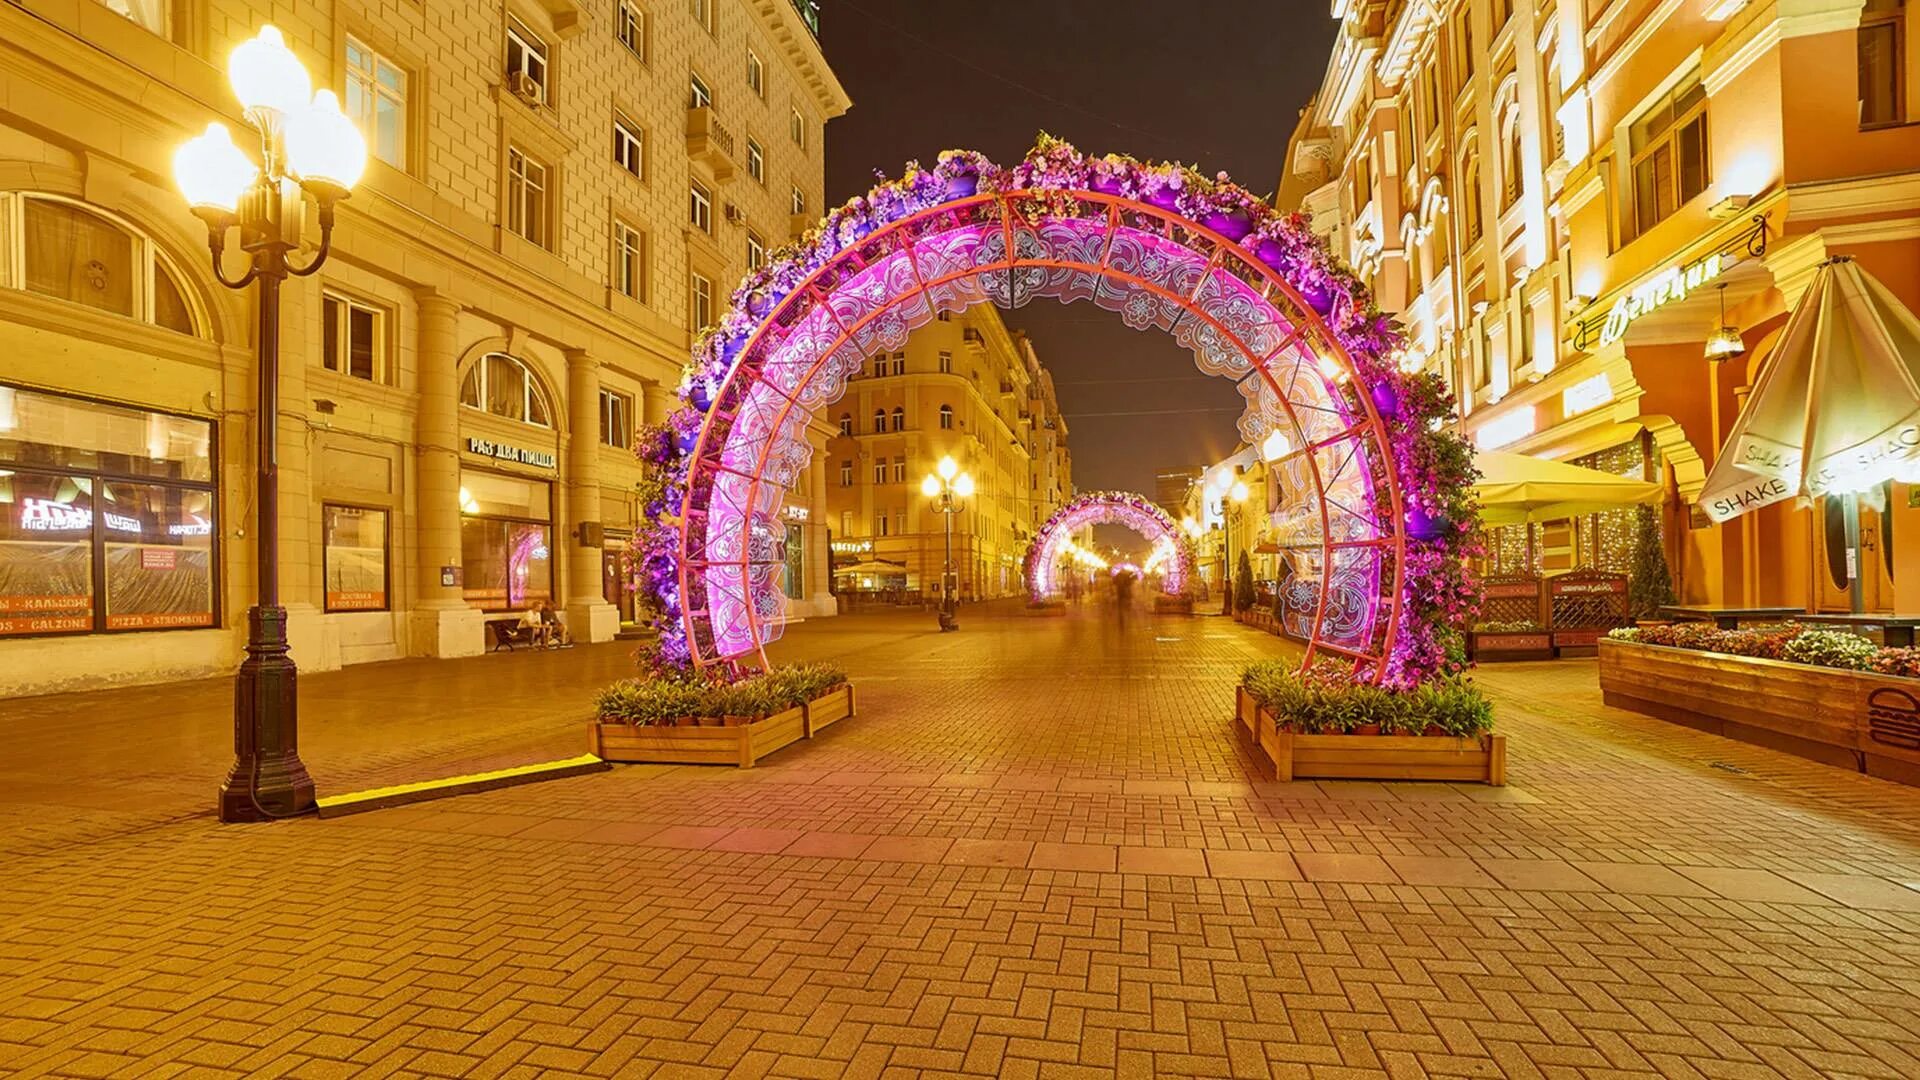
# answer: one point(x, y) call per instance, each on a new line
point(663, 699)
point(1903, 661)
point(1830, 648)
point(1509, 626)
point(1324, 700)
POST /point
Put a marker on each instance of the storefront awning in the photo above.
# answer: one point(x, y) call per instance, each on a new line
point(875, 567)
point(1515, 489)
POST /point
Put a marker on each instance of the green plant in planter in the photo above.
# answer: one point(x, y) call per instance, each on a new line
point(1243, 584)
point(1649, 582)
point(1327, 701)
point(1830, 648)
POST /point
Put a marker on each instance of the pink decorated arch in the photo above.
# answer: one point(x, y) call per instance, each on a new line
point(1253, 295)
point(1136, 512)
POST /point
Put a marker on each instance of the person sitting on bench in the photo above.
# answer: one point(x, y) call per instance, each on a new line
point(556, 631)
point(537, 631)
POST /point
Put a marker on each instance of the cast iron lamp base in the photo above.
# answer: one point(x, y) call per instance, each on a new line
point(268, 780)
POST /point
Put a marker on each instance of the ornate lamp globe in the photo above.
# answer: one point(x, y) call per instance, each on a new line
point(212, 172)
point(266, 76)
point(323, 146)
point(963, 486)
point(930, 486)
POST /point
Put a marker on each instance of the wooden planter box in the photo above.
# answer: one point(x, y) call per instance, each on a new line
point(1849, 719)
point(1172, 605)
point(1246, 710)
point(742, 744)
point(1494, 648)
point(1388, 757)
point(1047, 609)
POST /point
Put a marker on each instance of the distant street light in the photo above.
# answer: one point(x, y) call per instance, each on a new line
point(308, 147)
point(945, 484)
point(1237, 492)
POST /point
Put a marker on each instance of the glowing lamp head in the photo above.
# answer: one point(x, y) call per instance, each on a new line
point(212, 172)
point(1725, 344)
point(1219, 480)
point(963, 485)
point(266, 75)
point(323, 146)
point(930, 486)
point(948, 468)
point(1275, 446)
point(1239, 492)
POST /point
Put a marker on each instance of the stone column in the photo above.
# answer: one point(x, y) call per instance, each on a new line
point(589, 616)
point(312, 642)
point(444, 624)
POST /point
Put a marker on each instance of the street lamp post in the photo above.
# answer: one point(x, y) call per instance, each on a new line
point(1231, 492)
point(942, 486)
point(308, 147)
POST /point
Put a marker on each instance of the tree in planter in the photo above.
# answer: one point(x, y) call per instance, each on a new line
point(1649, 582)
point(1243, 584)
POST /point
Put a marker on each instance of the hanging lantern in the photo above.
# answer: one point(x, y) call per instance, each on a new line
point(1725, 343)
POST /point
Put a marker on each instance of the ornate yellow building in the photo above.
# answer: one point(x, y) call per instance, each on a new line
point(963, 387)
point(1553, 195)
point(559, 193)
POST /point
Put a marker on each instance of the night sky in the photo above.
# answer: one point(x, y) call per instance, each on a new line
point(1152, 78)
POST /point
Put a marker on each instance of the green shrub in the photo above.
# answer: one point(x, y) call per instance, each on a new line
point(1326, 701)
point(662, 700)
point(1830, 648)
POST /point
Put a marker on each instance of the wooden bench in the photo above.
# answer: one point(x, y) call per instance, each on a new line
point(508, 632)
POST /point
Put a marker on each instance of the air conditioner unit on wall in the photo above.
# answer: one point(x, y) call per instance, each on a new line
point(522, 85)
point(734, 214)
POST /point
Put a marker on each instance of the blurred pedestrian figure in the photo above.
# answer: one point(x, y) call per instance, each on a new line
point(1123, 594)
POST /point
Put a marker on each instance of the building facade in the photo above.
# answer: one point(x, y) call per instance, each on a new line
point(1560, 199)
point(966, 388)
point(558, 194)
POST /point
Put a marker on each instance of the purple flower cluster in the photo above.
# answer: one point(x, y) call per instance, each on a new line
point(1434, 470)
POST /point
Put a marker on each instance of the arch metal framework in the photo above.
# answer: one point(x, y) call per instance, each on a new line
point(1135, 512)
point(1147, 262)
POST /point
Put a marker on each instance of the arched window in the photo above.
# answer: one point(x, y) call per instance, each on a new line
point(1470, 198)
point(1510, 168)
point(846, 423)
point(946, 417)
point(504, 386)
point(879, 421)
point(899, 418)
point(83, 255)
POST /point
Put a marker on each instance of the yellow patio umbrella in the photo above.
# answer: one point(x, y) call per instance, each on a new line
point(1836, 409)
point(1515, 489)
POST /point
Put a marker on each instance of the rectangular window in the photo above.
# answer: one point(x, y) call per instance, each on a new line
point(505, 540)
point(700, 207)
point(798, 203)
point(629, 146)
point(355, 540)
point(794, 564)
point(1669, 145)
point(1882, 49)
point(630, 28)
point(756, 161)
point(756, 74)
point(526, 197)
point(526, 62)
point(153, 15)
point(846, 474)
point(629, 261)
point(616, 419)
point(797, 127)
point(880, 365)
point(880, 524)
point(756, 251)
point(702, 291)
point(880, 470)
point(698, 96)
point(703, 14)
point(946, 360)
point(899, 470)
point(377, 102)
point(159, 561)
point(899, 363)
point(353, 338)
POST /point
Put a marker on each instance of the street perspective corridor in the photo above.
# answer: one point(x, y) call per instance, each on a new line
point(1042, 848)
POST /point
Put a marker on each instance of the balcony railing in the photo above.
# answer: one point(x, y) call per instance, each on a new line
point(710, 142)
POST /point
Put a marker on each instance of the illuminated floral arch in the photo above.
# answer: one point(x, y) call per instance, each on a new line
point(1254, 294)
point(1104, 508)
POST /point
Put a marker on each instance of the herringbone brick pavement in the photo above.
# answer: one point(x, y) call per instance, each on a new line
point(1040, 850)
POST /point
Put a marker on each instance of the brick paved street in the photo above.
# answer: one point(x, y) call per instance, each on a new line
point(1039, 850)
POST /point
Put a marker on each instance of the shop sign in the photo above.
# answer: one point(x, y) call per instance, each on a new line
point(519, 455)
point(1586, 394)
point(157, 558)
point(853, 547)
point(1657, 292)
point(356, 600)
point(45, 515)
point(796, 512)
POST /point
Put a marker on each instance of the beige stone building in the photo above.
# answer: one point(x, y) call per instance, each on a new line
point(1566, 200)
point(558, 194)
point(964, 387)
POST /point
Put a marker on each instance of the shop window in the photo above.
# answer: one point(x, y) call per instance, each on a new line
point(76, 253)
point(698, 95)
point(700, 207)
point(97, 529)
point(527, 202)
point(377, 101)
point(700, 287)
point(153, 15)
point(355, 540)
point(353, 338)
point(616, 419)
point(946, 417)
point(629, 261)
point(793, 564)
point(526, 63)
point(630, 28)
point(1669, 155)
point(756, 74)
point(756, 160)
point(505, 540)
point(1882, 49)
point(629, 146)
point(504, 386)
